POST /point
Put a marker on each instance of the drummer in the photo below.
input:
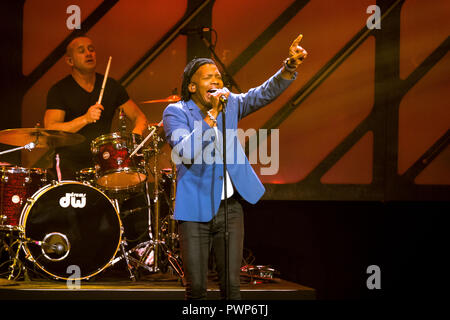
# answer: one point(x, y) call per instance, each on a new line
point(72, 105)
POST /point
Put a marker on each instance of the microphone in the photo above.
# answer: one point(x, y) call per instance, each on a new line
point(200, 30)
point(223, 99)
point(58, 248)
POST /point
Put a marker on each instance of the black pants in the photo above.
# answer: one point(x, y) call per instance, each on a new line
point(196, 239)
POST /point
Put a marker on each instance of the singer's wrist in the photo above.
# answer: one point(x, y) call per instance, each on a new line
point(289, 68)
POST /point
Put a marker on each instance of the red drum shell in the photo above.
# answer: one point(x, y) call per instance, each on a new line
point(115, 170)
point(16, 186)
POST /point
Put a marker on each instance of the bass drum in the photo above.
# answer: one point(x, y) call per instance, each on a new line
point(71, 227)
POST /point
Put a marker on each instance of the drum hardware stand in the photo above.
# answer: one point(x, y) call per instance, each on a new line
point(122, 248)
point(158, 243)
point(171, 224)
point(157, 210)
point(149, 245)
point(30, 146)
point(146, 139)
point(15, 260)
point(156, 195)
point(125, 255)
point(155, 243)
point(131, 261)
point(16, 263)
point(127, 260)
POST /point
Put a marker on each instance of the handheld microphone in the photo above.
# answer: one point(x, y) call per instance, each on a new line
point(223, 99)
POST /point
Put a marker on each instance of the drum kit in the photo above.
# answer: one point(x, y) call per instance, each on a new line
point(121, 209)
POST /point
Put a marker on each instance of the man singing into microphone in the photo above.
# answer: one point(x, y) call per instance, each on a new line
point(199, 207)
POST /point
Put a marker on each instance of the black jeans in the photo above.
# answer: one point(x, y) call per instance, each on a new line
point(196, 239)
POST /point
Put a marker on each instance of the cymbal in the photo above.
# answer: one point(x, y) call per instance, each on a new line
point(42, 137)
point(172, 98)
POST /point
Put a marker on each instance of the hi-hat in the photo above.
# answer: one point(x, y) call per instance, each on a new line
point(42, 137)
point(172, 98)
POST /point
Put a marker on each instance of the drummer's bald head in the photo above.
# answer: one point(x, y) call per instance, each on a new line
point(71, 45)
point(80, 54)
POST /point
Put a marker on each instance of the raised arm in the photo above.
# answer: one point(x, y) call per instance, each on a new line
point(262, 95)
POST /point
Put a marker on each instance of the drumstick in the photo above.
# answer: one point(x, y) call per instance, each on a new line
point(104, 82)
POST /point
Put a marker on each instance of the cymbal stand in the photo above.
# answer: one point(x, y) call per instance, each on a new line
point(146, 138)
point(127, 260)
point(14, 256)
point(122, 244)
point(170, 200)
point(157, 209)
point(155, 243)
point(30, 146)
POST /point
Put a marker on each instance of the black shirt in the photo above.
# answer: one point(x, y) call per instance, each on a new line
point(67, 95)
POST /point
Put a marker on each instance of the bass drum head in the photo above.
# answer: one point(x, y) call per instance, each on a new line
point(77, 225)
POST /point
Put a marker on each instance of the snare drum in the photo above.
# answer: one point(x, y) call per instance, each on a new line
point(71, 224)
point(16, 186)
point(115, 170)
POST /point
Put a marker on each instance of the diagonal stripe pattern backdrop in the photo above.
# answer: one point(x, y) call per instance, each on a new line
point(367, 118)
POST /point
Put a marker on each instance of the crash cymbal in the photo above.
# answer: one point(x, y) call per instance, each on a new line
point(42, 137)
point(172, 98)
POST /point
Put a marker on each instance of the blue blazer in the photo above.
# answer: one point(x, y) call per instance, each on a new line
point(197, 151)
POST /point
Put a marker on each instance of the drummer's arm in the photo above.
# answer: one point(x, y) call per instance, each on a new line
point(135, 114)
point(54, 119)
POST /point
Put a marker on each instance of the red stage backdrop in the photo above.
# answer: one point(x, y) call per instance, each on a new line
point(357, 130)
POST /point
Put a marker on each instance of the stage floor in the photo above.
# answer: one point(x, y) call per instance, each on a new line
point(151, 287)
